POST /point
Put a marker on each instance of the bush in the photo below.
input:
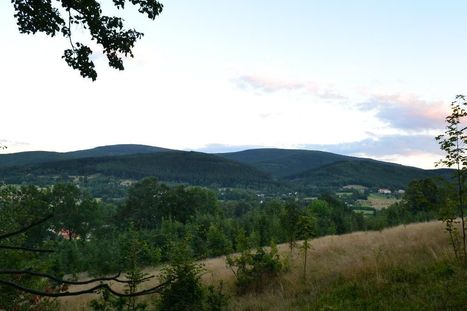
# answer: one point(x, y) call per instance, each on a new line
point(186, 292)
point(253, 269)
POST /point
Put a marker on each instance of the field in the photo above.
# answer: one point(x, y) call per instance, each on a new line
point(356, 187)
point(367, 259)
point(378, 201)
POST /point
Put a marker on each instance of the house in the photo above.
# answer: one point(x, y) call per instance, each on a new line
point(384, 191)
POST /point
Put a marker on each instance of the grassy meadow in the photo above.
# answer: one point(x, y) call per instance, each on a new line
point(378, 201)
point(402, 268)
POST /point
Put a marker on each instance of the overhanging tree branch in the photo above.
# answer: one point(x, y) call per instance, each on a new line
point(102, 286)
point(27, 249)
point(59, 281)
point(45, 16)
point(114, 278)
point(26, 228)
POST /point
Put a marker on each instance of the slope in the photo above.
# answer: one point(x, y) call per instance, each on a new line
point(366, 172)
point(35, 157)
point(171, 166)
point(392, 257)
point(284, 162)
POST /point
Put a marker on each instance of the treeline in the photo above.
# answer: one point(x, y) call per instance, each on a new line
point(424, 200)
point(90, 232)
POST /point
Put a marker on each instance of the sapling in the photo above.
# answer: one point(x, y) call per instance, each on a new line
point(454, 143)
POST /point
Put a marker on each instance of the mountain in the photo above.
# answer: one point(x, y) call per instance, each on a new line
point(318, 169)
point(169, 166)
point(255, 168)
point(366, 172)
point(284, 162)
point(29, 157)
point(35, 157)
point(114, 150)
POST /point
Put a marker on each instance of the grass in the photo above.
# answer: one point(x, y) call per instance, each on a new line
point(361, 262)
point(401, 268)
point(378, 201)
point(356, 187)
point(436, 286)
point(364, 211)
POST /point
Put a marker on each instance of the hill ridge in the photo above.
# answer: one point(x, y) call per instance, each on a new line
point(290, 168)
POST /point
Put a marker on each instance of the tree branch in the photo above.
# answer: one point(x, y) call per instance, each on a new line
point(27, 249)
point(62, 281)
point(24, 229)
point(91, 290)
point(69, 29)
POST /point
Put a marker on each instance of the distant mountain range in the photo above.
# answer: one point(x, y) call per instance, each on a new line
point(255, 168)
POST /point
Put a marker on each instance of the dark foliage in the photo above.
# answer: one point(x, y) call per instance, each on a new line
point(37, 157)
point(59, 18)
point(283, 162)
point(254, 270)
point(368, 173)
point(181, 167)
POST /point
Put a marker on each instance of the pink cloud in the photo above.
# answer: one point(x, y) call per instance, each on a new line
point(408, 112)
point(271, 85)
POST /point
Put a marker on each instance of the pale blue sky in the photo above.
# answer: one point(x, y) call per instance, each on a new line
point(370, 78)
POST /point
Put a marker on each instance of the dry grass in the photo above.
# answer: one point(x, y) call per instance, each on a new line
point(348, 256)
point(378, 201)
point(331, 257)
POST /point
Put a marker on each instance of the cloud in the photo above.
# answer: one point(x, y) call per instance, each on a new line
point(375, 147)
point(271, 85)
point(266, 85)
point(384, 146)
point(407, 112)
point(221, 148)
point(13, 142)
point(413, 150)
point(13, 146)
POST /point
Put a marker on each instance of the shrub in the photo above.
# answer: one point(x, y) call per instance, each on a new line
point(252, 269)
point(186, 292)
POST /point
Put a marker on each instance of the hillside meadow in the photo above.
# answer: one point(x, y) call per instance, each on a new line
point(394, 266)
point(378, 201)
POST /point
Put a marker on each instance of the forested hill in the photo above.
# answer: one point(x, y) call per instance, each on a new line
point(35, 157)
point(114, 150)
point(256, 168)
point(318, 169)
point(364, 172)
point(170, 166)
point(285, 162)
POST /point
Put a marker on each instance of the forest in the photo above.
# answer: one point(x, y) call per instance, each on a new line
point(157, 224)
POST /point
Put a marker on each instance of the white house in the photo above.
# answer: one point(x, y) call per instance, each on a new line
point(384, 191)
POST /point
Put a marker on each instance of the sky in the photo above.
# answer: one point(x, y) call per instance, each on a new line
point(361, 77)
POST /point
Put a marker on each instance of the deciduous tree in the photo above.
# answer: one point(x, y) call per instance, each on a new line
point(60, 17)
point(454, 143)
